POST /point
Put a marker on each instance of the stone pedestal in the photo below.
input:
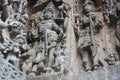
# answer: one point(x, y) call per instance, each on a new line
point(110, 73)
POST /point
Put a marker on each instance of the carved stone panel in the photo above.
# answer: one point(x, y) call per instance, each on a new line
point(52, 39)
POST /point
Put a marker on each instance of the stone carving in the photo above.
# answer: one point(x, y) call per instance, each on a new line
point(88, 45)
point(49, 34)
point(106, 11)
point(9, 72)
point(21, 40)
point(38, 46)
point(12, 53)
point(60, 62)
point(28, 57)
point(115, 14)
point(36, 55)
point(39, 62)
point(3, 25)
point(33, 31)
point(77, 5)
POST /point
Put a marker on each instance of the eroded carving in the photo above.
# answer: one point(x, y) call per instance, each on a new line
point(88, 44)
point(116, 15)
point(38, 46)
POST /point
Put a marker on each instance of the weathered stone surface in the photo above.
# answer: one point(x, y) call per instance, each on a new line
point(55, 76)
point(59, 39)
point(110, 73)
point(9, 72)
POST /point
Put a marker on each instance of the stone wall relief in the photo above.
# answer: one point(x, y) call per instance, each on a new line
point(87, 25)
point(115, 14)
point(12, 39)
point(40, 50)
point(111, 18)
point(52, 35)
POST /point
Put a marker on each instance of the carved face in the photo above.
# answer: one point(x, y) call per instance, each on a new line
point(88, 8)
point(48, 15)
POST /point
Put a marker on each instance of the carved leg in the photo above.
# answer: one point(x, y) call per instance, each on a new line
point(86, 60)
point(23, 67)
point(96, 60)
point(62, 67)
point(26, 67)
point(29, 66)
point(51, 57)
point(33, 71)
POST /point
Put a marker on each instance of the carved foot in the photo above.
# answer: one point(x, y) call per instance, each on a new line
point(96, 67)
point(88, 69)
point(32, 74)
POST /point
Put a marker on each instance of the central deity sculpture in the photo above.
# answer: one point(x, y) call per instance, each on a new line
point(50, 34)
